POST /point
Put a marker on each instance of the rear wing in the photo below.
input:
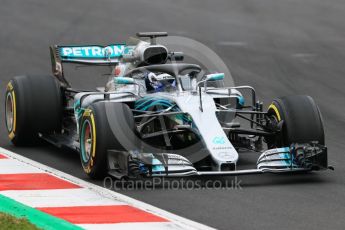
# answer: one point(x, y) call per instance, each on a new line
point(88, 55)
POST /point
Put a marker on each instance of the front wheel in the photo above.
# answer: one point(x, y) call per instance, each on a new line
point(104, 126)
point(300, 118)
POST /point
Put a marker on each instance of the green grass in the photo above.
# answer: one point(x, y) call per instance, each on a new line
point(9, 222)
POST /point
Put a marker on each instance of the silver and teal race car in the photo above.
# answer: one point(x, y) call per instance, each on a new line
point(159, 116)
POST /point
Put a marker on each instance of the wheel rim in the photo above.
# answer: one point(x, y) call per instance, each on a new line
point(86, 145)
point(9, 110)
point(278, 139)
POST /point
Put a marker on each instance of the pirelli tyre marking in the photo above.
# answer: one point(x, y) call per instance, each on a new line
point(11, 111)
point(88, 140)
point(272, 106)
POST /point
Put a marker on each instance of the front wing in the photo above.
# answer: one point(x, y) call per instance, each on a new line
point(296, 158)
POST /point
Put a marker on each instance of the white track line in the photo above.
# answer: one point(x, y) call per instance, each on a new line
point(60, 198)
point(177, 221)
point(126, 226)
point(10, 166)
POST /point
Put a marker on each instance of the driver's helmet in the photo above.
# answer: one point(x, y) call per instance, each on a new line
point(159, 82)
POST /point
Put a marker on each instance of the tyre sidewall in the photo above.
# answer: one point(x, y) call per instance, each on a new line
point(96, 165)
point(105, 137)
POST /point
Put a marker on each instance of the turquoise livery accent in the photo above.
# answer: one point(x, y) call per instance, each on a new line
point(286, 157)
point(94, 52)
point(157, 166)
point(78, 112)
point(158, 104)
point(240, 101)
point(218, 140)
point(215, 77)
point(123, 80)
point(147, 103)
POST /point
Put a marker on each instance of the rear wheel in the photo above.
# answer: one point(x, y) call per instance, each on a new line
point(300, 118)
point(33, 104)
point(104, 126)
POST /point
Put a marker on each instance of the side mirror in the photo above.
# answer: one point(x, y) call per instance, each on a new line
point(209, 77)
point(215, 77)
point(124, 80)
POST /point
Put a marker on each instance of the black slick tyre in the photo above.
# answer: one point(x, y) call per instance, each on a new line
point(302, 121)
point(104, 126)
point(33, 104)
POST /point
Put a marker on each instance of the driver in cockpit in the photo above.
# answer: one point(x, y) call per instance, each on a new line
point(154, 82)
point(162, 82)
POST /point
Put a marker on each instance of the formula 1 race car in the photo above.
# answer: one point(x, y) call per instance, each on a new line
point(158, 116)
